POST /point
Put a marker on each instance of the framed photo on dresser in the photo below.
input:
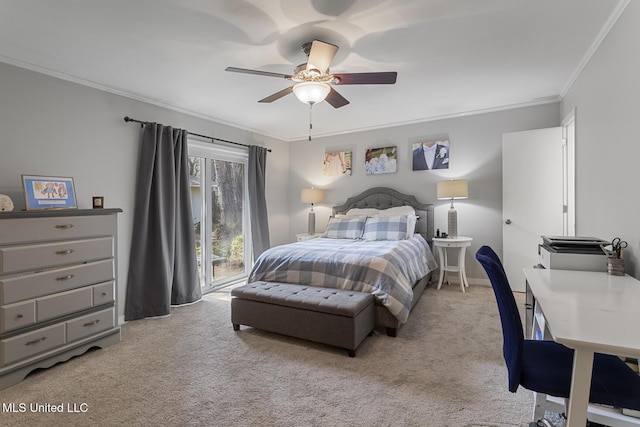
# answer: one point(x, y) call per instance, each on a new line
point(48, 192)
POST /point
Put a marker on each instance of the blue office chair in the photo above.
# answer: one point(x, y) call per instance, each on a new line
point(546, 366)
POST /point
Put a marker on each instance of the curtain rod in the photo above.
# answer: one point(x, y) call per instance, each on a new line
point(129, 119)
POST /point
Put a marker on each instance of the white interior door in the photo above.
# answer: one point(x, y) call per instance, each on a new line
point(532, 197)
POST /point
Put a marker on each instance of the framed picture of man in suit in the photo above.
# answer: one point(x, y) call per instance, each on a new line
point(431, 154)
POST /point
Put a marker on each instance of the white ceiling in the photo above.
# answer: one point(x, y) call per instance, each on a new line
point(453, 57)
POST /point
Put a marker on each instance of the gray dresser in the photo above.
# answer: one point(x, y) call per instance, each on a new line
point(58, 297)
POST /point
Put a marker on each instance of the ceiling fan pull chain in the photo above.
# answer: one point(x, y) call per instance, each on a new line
point(310, 121)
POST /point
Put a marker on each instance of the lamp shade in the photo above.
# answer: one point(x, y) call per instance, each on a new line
point(311, 195)
point(452, 189)
point(311, 92)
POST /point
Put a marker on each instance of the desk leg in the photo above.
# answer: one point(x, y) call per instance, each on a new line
point(580, 387)
point(443, 264)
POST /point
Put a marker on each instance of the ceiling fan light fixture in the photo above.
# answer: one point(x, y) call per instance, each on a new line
point(311, 92)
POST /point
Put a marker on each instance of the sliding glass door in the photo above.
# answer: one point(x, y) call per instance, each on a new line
point(220, 209)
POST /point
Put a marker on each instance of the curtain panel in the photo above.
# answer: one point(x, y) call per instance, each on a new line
point(257, 200)
point(162, 267)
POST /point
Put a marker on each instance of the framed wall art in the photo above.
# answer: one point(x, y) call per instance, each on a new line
point(431, 154)
point(337, 163)
point(381, 160)
point(48, 192)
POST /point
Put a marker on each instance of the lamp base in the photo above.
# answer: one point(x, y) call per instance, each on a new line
point(452, 223)
point(312, 222)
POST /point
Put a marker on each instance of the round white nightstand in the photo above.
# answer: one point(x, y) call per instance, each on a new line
point(306, 236)
point(460, 243)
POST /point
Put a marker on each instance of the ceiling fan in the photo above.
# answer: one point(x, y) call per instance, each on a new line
point(313, 80)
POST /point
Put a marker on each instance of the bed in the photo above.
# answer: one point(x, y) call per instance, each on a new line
point(395, 271)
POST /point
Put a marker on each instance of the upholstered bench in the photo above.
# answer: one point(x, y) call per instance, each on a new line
point(329, 316)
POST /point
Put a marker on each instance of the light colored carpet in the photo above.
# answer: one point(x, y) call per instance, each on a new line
point(445, 368)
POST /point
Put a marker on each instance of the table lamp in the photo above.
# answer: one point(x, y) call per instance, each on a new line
point(311, 195)
point(452, 189)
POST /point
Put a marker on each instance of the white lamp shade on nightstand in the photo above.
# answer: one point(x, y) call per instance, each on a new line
point(311, 195)
point(452, 189)
point(449, 190)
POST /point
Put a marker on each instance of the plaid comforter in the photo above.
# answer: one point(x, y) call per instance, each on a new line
point(387, 269)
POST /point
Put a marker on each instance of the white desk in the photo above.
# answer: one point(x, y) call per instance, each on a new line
point(589, 312)
point(460, 243)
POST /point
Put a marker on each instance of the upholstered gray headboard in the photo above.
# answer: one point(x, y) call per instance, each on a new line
point(383, 198)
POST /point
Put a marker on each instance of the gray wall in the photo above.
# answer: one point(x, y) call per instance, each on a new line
point(476, 155)
point(605, 97)
point(50, 126)
point(54, 127)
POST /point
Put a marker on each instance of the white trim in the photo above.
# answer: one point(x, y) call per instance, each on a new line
point(537, 101)
point(471, 280)
point(137, 97)
point(615, 15)
point(205, 149)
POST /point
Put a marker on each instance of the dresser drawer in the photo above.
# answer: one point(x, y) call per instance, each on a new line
point(32, 343)
point(53, 306)
point(90, 324)
point(19, 230)
point(29, 286)
point(14, 259)
point(103, 293)
point(13, 316)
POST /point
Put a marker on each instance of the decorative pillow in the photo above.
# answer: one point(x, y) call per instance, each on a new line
point(386, 228)
point(345, 228)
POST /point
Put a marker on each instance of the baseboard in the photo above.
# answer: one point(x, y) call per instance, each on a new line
point(472, 281)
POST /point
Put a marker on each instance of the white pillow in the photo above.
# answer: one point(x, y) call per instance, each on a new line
point(398, 210)
point(343, 216)
point(363, 212)
point(411, 225)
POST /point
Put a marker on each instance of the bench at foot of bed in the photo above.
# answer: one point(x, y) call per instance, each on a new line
point(329, 316)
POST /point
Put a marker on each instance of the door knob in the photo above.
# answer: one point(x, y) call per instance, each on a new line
point(508, 221)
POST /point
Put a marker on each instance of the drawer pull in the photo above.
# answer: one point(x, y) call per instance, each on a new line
point(19, 316)
point(95, 322)
point(64, 226)
point(104, 294)
point(61, 278)
point(65, 252)
point(39, 340)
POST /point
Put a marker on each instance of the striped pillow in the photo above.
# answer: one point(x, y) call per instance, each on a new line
point(386, 228)
point(345, 228)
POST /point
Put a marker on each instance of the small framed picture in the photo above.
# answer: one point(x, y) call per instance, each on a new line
point(431, 154)
point(381, 160)
point(48, 192)
point(98, 202)
point(337, 163)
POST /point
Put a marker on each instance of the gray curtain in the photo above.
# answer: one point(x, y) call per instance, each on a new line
point(162, 268)
point(258, 200)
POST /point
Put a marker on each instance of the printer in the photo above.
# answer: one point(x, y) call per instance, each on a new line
point(573, 253)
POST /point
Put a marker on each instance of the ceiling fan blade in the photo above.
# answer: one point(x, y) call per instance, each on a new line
point(277, 95)
point(321, 55)
point(257, 72)
point(384, 78)
point(335, 99)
